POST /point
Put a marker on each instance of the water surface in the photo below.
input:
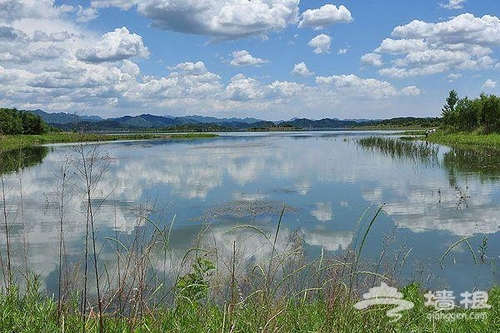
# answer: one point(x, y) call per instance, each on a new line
point(326, 181)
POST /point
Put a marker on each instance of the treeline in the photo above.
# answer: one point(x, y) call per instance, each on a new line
point(479, 114)
point(402, 122)
point(13, 121)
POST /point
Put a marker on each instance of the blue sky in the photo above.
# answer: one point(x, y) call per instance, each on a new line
point(270, 59)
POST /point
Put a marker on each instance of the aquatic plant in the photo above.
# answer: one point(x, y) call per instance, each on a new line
point(422, 152)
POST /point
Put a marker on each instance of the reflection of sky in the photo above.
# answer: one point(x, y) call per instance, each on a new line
point(327, 179)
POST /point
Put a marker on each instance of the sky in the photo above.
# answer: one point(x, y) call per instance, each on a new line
point(267, 59)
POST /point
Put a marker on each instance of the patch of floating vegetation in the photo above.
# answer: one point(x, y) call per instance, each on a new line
point(246, 208)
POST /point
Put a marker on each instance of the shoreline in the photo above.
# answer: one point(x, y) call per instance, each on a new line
point(10, 142)
point(465, 140)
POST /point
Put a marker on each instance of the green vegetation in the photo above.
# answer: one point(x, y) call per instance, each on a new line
point(13, 121)
point(20, 129)
point(479, 160)
point(34, 312)
point(399, 149)
point(466, 140)
point(481, 114)
point(9, 142)
point(401, 123)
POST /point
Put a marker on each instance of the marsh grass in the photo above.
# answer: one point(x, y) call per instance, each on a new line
point(10, 142)
point(466, 140)
point(422, 152)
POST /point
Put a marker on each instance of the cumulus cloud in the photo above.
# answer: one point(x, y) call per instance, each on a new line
point(327, 15)
point(410, 91)
point(420, 48)
point(453, 76)
point(400, 46)
point(321, 43)
point(224, 20)
point(489, 84)
point(12, 10)
point(301, 69)
point(283, 89)
point(190, 68)
point(372, 89)
point(86, 14)
point(244, 58)
point(123, 4)
point(372, 59)
point(465, 28)
point(453, 4)
point(114, 46)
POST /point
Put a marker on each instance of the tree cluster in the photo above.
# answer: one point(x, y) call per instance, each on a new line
point(13, 121)
point(464, 114)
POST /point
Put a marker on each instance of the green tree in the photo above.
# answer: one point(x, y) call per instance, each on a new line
point(33, 124)
point(13, 121)
point(448, 111)
point(10, 122)
point(490, 113)
point(468, 114)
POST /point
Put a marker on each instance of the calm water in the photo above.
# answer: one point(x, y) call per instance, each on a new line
point(326, 180)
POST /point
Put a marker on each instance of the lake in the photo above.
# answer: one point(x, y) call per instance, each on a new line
point(439, 225)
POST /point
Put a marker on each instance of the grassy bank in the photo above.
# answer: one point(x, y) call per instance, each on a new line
point(465, 140)
point(8, 142)
point(34, 312)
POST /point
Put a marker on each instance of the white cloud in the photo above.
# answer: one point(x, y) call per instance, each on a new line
point(343, 51)
point(13, 10)
point(301, 69)
point(321, 43)
point(489, 84)
point(327, 15)
point(86, 14)
point(244, 58)
point(401, 46)
point(418, 48)
point(372, 59)
point(242, 88)
point(190, 68)
point(453, 76)
point(464, 28)
point(231, 19)
point(353, 85)
point(453, 4)
point(410, 91)
point(123, 4)
point(283, 89)
point(115, 46)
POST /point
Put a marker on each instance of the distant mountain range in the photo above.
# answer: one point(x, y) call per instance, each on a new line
point(68, 121)
point(64, 118)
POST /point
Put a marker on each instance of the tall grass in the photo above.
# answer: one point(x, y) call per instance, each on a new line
point(423, 152)
point(466, 140)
